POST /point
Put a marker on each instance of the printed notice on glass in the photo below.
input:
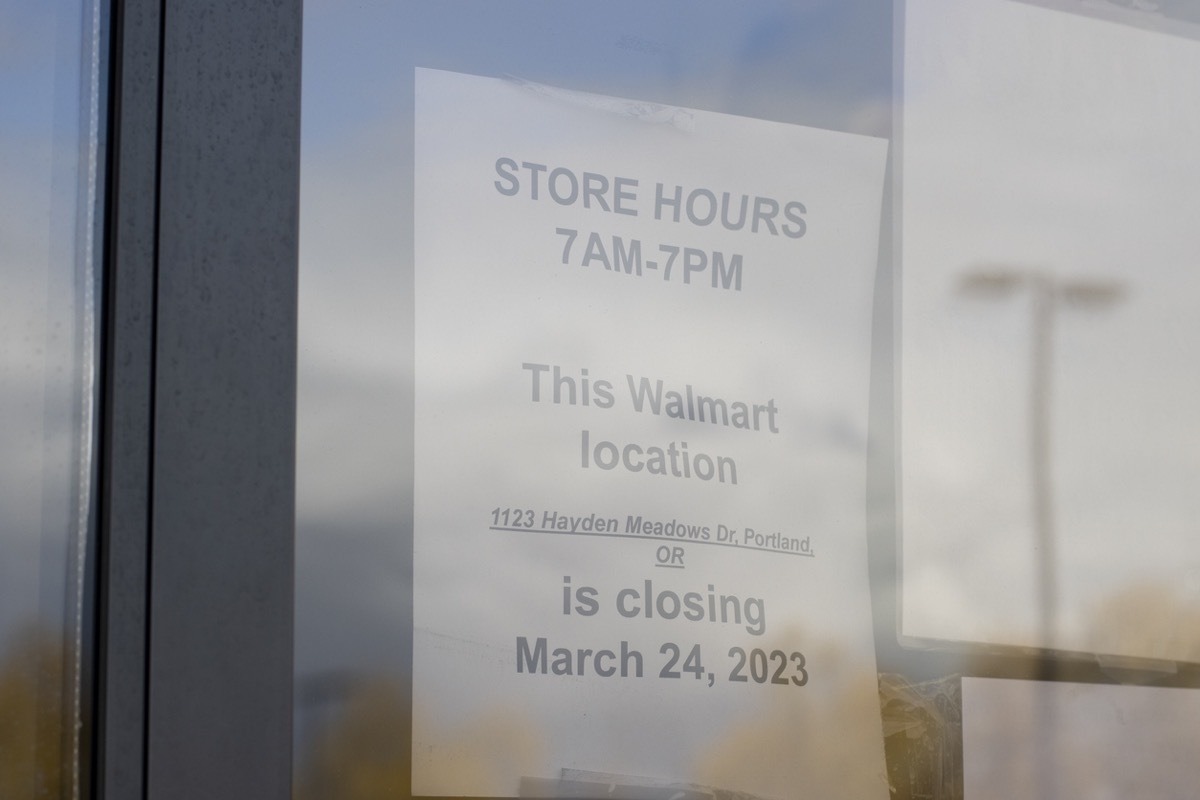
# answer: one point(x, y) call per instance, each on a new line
point(642, 352)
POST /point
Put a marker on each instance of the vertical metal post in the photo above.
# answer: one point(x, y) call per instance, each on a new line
point(220, 654)
point(196, 517)
point(127, 398)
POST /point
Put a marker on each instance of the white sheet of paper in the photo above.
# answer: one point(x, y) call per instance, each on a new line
point(538, 352)
point(1041, 142)
point(1089, 740)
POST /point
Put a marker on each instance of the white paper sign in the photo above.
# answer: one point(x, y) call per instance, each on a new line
point(1043, 739)
point(1048, 398)
point(642, 346)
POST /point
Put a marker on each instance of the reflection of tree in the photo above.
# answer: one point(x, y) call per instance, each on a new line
point(31, 718)
point(1103, 758)
point(486, 751)
point(819, 752)
point(364, 754)
point(1148, 621)
point(773, 750)
point(776, 751)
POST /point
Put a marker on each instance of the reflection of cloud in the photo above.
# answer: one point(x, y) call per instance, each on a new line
point(41, 369)
point(356, 384)
point(357, 212)
point(356, 306)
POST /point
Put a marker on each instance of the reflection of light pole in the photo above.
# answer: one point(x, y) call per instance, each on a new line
point(1046, 293)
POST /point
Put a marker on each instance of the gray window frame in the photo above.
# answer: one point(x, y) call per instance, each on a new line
point(193, 668)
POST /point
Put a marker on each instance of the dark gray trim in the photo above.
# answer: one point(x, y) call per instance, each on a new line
point(127, 367)
point(195, 568)
point(220, 660)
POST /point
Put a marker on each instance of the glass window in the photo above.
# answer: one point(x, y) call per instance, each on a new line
point(49, 116)
point(691, 392)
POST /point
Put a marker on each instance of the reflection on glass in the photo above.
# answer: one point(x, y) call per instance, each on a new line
point(1045, 403)
point(1046, 294)
point(49, 117)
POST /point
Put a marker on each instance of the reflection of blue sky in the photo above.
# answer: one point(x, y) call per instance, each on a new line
point(26, 67)
point(820, 63)
point(758, 59)
point(40, 74)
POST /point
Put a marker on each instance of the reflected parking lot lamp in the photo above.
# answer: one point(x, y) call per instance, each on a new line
point(1047, 292)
